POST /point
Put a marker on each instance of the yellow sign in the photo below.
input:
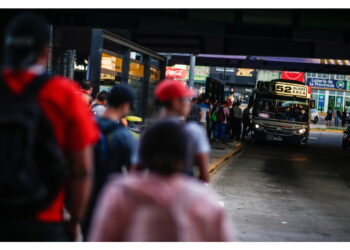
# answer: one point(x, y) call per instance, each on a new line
point(107, 76)
point(111, 62)
point(136, 69)
point(244, 72)
point(155, 74)
point(290, 90)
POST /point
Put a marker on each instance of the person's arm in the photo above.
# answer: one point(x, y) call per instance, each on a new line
point(78, 187)
point(202, 161)
point(200, 115)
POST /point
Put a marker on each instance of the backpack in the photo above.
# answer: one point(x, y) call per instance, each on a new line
point(32, 166)
point(213, 114)
point(220, 114)
point(104, 165)
point(104, 158)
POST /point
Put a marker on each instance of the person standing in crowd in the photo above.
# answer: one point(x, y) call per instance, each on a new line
point(213, 121)
point(204, 113)
point(222, 114)
point(337, 117)
point(66, 133)
point(86, 91)
point(329, 117)
point(117, 147)
point(207, 102)
point(343, 118)
point(164, 205)
point(247, 124)
point(174, 98)
point(195, 110)
point(237, 121)
point(99, 105)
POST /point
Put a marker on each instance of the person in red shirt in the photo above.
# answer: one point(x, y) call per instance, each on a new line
point(26, 54)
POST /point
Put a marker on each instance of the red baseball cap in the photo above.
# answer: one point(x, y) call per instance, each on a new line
point(169, 89)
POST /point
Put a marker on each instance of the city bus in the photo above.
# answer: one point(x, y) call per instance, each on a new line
point(282, 111)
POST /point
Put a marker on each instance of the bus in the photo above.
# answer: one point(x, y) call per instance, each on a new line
point(282, 111)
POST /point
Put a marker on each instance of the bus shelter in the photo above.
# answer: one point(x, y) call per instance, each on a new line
point(115, 60)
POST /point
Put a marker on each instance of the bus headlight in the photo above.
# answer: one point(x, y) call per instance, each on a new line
point(258, 127)
point(301, 131)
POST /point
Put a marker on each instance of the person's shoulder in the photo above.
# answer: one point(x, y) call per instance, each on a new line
point(60, 83)
point(59, 89)
point(194, 127)
point(200, 192)
point(123, 135)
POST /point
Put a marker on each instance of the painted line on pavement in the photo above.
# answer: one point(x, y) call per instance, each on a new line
point(312, 138)
point(215, 165)
point(327, 130)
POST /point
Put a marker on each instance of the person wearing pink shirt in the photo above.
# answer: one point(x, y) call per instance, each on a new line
point(162, 204)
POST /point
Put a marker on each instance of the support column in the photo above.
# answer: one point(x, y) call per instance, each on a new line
point(162, 68)
point(125, 66)
point(50, 59)
point(191, 74)
point(146, 77)
point(95, 60)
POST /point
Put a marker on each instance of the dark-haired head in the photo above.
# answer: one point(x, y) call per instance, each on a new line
point(85, 85)
point(163, 148)
point(26, 40)
point(102, 96)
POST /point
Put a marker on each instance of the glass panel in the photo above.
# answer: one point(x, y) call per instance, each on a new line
point(136, 82)
point(339, 103)
point(331, 102)
point(320, 103)
point(347, 102)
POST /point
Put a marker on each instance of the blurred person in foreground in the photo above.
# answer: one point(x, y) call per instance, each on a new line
point(99, 105)
point(86, 91)
point(47, 134)
point(117, 147)
point(163, 204)
point(175, 100)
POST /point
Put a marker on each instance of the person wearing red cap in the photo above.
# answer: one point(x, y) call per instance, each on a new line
point(175, 100)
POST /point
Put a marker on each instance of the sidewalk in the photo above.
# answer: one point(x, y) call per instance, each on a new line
point(221, 153)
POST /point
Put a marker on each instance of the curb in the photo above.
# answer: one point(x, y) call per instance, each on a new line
point(327, 130)
point(215, 165)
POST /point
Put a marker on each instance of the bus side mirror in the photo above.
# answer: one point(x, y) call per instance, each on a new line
point(312, 104)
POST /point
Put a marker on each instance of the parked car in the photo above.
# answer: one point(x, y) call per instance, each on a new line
point(314, 116)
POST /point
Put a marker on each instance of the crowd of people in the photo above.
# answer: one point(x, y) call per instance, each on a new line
point(223, 121)
point(337, 115)
point(71, 168)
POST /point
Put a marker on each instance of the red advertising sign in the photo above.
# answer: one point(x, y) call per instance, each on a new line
point(292, 75)
point(175, 73)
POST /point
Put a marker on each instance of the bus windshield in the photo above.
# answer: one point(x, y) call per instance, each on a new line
point(281, 108)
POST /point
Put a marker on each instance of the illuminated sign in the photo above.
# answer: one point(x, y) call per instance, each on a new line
point(244, 72)
point(326, 83)
point(286, 89)
point(112, 63)
point(136, 69)
point(295, 76)
point(175, 73)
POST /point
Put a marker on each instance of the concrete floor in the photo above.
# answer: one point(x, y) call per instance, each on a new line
point(278, 192)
